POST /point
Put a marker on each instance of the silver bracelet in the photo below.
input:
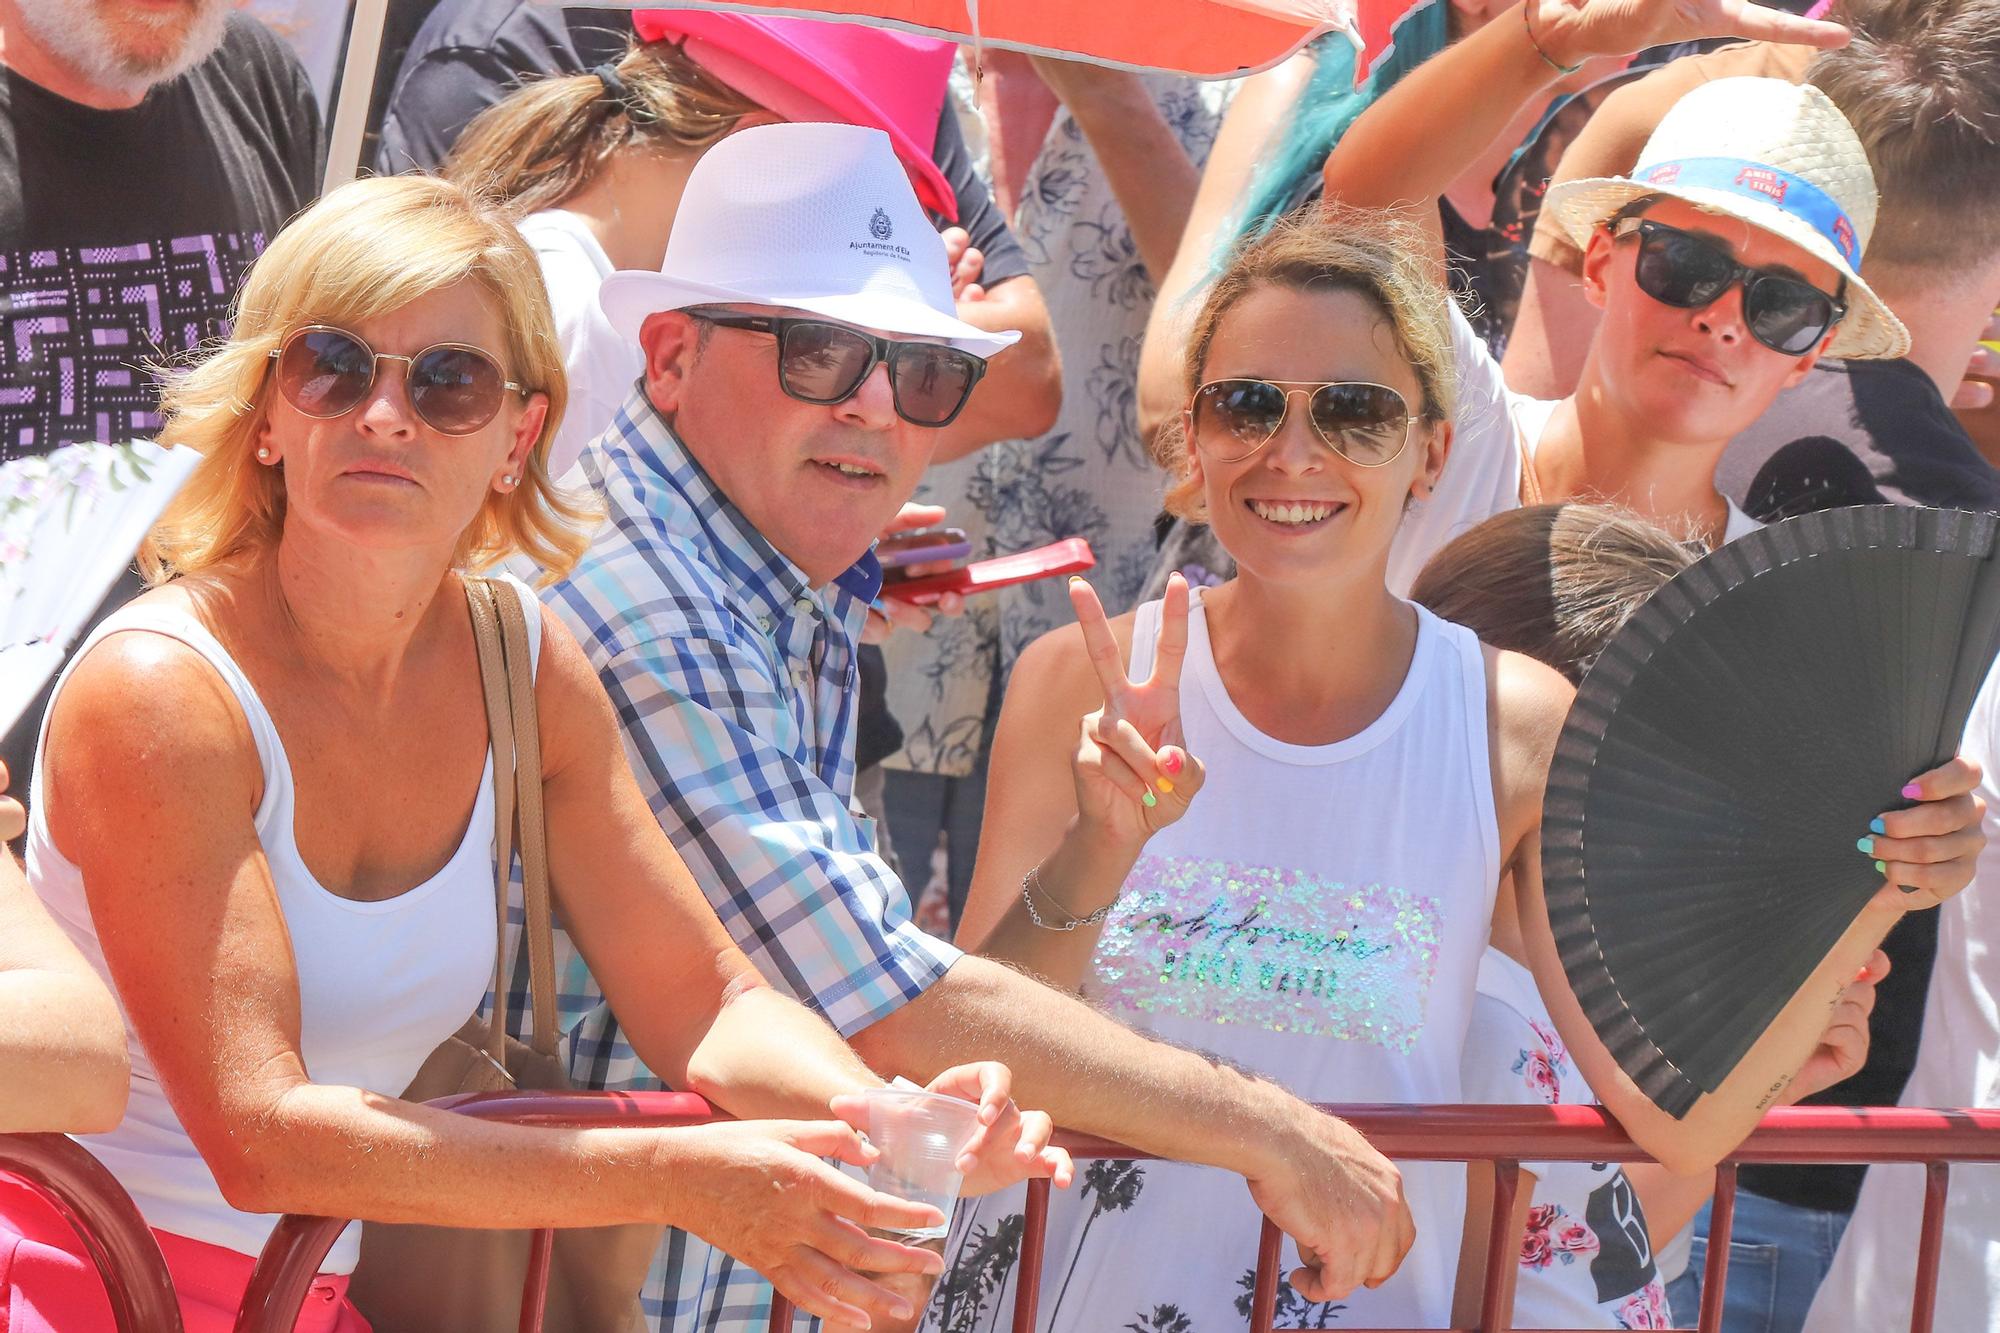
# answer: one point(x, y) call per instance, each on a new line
point(1031, 884)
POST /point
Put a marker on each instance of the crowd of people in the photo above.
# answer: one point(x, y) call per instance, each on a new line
point(1384, 402)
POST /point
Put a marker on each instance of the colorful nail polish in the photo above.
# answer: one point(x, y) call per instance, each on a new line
point(1877, 826)
point(1881, 869)
point(1913, 792)
point(1164, 785)
point(1150, 800)
point(1172, 761)
point(1866, 846)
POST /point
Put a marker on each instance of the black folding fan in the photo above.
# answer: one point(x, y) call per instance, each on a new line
point(1725, 753)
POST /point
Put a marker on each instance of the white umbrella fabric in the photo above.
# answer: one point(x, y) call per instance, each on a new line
point(70, 523)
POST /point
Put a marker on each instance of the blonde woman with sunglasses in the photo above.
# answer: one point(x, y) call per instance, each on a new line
point(1370, 782)
point(266, 806)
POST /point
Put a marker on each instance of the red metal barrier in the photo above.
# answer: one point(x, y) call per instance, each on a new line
point(1503, 1135)
point(285, 1270)
point(116, 1237)
point(1508, 1135)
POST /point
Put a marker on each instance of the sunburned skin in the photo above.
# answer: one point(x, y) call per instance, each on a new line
point(820, 481)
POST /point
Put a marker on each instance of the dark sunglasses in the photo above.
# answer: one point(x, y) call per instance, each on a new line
point(1687, 271)
point(822, 362)
point(327, 372)
point(1367, 424)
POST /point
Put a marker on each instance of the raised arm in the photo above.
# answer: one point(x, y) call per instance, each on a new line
point(1932, 845)
point(1254, 117)
point(1421, 134)
point(1149, 171)
point(1088, 765)
point(62, 1042)
point(1022, 391)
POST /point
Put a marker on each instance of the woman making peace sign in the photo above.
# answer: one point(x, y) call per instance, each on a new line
point(1373, 815)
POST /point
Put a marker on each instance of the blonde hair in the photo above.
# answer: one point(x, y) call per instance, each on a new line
point(1553, 582)
point(547, 140)
point(364, 250)
point(1322, 248)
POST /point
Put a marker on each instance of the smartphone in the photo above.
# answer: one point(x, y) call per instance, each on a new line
point(1072, 556)
point(921, 548)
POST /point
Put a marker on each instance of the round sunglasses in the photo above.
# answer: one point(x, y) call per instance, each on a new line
point(1366, 424)
point(824, 363)
point(454, 389)
point(1686, 271)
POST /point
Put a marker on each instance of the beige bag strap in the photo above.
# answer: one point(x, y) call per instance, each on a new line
point(533, 830)
point(500, 733)
point(1531, 485)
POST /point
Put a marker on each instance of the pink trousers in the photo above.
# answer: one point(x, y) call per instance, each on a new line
point(48, 1283)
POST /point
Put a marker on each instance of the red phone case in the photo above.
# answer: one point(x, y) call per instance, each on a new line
point(1064, 557)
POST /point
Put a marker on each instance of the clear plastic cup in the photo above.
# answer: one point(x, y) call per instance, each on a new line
point(920, 1135)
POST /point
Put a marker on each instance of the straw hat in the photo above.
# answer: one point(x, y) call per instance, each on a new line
point(812, 217)
point(1781, 157)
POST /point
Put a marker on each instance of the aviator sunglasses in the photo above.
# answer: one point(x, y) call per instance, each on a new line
point(1366, 424)
point(1687, 271)
point(824, 363)
point(454, 389)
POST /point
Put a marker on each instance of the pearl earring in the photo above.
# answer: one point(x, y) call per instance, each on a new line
point(508, 479)
point(264, 453)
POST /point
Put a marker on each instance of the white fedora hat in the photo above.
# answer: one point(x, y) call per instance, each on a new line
point(1781, 157)
point(812, 217)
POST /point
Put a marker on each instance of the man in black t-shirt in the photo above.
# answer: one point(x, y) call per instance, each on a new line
point(143, 165)
point(1858, 432)
point(147, 154)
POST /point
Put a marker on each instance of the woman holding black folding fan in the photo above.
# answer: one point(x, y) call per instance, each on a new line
point(1372, 779)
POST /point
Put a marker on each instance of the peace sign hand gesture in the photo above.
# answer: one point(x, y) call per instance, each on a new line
point(1570, 31)
point(1133, 773)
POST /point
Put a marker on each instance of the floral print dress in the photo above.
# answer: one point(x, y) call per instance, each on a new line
point(1586, 1258)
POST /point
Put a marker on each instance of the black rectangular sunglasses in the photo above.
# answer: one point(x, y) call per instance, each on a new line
point(823, 362)
point(1680, 269)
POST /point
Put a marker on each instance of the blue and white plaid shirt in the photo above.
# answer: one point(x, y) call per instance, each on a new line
point(735, 684)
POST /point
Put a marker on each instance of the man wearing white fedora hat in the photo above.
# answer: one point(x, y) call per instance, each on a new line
point(801, 354)
point(1726, 264)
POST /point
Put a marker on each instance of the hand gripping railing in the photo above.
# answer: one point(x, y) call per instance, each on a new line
point(1503, 1135)
point(112, 1232)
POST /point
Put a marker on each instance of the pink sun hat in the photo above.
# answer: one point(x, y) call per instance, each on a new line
point(817, 70)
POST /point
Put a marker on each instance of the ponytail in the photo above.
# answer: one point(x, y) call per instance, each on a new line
point(547, 141)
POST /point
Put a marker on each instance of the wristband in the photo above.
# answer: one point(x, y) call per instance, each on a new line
point(1528, 23)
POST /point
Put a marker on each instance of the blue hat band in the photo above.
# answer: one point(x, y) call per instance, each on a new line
point(1767, 185)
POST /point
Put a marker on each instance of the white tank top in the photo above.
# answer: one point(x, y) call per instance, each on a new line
point(1318, 916)
point(381, 984)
